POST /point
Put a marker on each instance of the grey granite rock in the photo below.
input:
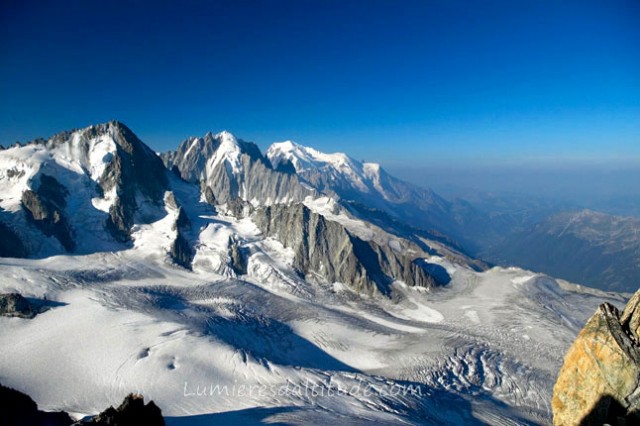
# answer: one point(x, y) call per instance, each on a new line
point(237, 256)
point(135, 167)
point(255, 180)
point(45, 209)
point(326, 249)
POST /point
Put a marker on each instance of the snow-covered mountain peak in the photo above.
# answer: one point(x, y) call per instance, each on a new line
point(88, 150)
point(107, 174)
point(197, 156)
point(337, 167)
point(228, 151)
point(305, 158)
point(225, 135)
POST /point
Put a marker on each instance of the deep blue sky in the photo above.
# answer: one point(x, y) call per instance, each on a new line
point(423, 82)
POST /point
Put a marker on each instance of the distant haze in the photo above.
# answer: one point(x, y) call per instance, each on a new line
point(609, 187)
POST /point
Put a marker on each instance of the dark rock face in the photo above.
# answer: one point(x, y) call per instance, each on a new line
point(239, 208)
point(12, 245)
point(181, 252)
point(286, 167)
point(135, 167)
point(14, 305)
point(599, 382)
point(326, 249)
point(208, 196)
point(182, 222)
point(191, 167)
point(132, 411)
point(18, 409)
point(238, 257)
point(45, 208)
point(120, 219)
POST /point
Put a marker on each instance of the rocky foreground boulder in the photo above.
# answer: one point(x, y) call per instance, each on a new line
point(15, 305)
point(18, 409)
point(599, 382)
point(131, 412)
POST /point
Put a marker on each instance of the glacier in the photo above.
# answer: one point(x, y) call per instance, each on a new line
point(247, 318)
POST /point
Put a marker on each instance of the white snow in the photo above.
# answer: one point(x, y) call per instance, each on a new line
point(130, 322)
point(229, 152)
point(78, 164)
point(192, 145)
point(364, 177)
point(487, 346)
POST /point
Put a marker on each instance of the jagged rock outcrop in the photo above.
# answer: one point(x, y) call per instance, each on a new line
point(15, 305)
point(132, 411)
point(18, 409)
point(181, 252)
point(239, 208)
point(237, 256)
point(190, 159)
point(326, 249)
point(229, 168)
point(599, 382)
point(208, 194)
point(45, 208)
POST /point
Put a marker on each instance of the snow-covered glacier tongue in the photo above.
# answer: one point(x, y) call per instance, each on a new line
point(231, 286)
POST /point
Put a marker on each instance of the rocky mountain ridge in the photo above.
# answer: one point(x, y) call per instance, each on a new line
point(104, 182)
point(61, 194)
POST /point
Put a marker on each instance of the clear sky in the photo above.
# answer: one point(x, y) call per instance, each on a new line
point(397, 82)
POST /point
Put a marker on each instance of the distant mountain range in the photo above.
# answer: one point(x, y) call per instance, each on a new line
point(587, 247)
point(85, 191)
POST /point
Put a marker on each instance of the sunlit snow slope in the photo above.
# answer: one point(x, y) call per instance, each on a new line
point(252, 328)
point(486, 348)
